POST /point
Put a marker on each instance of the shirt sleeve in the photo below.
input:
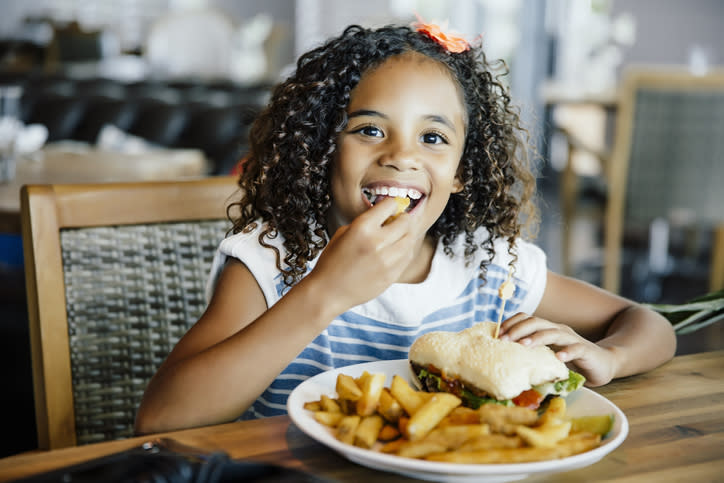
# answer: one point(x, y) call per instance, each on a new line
point(533, 270)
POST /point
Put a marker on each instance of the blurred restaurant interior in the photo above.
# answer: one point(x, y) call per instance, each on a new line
point(181, 81)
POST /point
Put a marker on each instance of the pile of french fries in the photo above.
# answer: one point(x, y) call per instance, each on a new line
point(403, 421)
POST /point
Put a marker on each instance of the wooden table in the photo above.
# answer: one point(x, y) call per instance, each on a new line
point(676, 417)
point(76, 163)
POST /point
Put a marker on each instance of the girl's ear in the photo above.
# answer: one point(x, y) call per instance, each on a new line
point(457, 186)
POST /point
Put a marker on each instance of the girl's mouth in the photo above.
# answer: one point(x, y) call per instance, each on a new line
point(379, 193)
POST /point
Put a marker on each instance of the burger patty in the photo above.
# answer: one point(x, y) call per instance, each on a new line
point(451, 385)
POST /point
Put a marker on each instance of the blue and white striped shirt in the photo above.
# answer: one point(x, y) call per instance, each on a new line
point(452, 298)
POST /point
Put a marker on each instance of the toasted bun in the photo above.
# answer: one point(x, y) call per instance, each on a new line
point(501, 368)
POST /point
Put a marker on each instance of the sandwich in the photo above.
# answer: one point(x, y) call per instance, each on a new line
point(480, 369)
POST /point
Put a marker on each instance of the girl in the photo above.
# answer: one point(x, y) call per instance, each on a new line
point(317, 275)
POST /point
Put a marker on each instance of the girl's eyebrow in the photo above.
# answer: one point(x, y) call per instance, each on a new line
point(367, 112)
point(441, 119)
point(430, 117)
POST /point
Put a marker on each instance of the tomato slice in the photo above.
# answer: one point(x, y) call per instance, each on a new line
point(530, 399)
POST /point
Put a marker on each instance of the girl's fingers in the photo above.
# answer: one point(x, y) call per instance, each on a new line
point(381, 212)
point(553, 336)
point(521, 326)
point(571, 352)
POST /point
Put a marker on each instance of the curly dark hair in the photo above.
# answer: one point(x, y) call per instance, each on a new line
point(286, 177)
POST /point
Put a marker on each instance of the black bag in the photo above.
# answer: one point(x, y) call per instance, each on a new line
point(154, 462)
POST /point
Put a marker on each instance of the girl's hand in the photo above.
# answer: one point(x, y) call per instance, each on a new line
point(365, 257)
point(596, 363)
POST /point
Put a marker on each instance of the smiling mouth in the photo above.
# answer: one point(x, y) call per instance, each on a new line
point(379, 193)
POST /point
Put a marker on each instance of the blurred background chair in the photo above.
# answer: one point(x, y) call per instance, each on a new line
point(115, 275)
point(663, 178)
point(190, 43)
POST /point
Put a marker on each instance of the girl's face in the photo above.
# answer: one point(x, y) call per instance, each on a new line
point(405, 137)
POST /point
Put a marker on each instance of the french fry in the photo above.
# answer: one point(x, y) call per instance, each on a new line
point(504, 419)
point(462, 415)
point(402, 424)
point(368, 430)
point(388, 433)
point(313, 406)
point(431, 413)
point(577, 443)
point(347, 407)
point(492, 441)
point(555, 412)
point(545, 436)
point(347, 428)
point(347, 388)
point(402, 203)
point(370, 398)
point(389, 408)
point(490, 456)
point(393, 446)
point(327, 418)
point(452, 437)
point(420, 449)
point(329, 405)
point(409, 399)
point(360, 380)
point(433, 426)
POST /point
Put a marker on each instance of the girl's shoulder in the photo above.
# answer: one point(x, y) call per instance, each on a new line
point(248, 239)
point(260, 259)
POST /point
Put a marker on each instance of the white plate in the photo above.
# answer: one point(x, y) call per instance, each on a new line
point(580, 403)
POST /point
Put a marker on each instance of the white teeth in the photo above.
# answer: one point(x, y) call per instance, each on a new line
point(414, 194)
point(394, 191)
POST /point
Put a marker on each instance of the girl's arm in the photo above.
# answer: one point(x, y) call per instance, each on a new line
point(603, 335)
point(238, 347)
point(231, 354)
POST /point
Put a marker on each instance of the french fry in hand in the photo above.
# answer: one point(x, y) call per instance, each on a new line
point(430, 414)
point(402, 203)
point(371, 390)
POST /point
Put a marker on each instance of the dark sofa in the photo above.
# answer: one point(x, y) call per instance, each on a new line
point(213, 116)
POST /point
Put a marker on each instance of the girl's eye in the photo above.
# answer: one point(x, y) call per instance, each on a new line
point(433, 138)
point(371, 131)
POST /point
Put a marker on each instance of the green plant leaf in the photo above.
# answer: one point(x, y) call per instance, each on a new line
point(694, 314)
point(693, 328)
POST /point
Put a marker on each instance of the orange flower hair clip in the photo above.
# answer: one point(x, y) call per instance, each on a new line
point(451, 43)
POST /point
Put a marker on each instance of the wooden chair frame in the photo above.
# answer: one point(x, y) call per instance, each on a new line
point(617, 171)
point(45, 210)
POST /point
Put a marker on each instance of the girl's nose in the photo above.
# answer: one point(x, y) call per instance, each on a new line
point(400, 158)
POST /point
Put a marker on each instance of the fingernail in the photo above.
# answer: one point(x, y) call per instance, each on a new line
point(562, 356)
point(505, 337)
point(525, 341)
